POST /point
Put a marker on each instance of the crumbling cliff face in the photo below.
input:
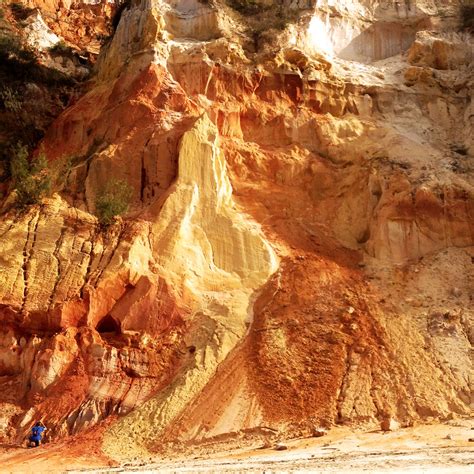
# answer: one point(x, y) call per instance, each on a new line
point(299, 246)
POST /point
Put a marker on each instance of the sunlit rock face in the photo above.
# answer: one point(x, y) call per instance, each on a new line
point(219, 258)
point(192, 19)
point(366, 30)
point(299, 243)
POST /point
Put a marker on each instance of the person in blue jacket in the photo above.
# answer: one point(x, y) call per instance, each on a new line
point(37, 433)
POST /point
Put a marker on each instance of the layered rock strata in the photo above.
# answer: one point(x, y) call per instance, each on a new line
point(299, 246)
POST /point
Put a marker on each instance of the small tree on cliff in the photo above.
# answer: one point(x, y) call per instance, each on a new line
point(30, 178)
point(112, 201)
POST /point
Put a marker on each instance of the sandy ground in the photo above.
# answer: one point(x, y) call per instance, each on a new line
point(440, 448)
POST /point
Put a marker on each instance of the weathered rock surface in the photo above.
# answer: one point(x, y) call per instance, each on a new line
point(449, 51)
point(84, 25)
point(389, 424)
point(297, 228)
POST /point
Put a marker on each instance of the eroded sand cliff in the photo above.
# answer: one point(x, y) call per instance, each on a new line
point(299, 247)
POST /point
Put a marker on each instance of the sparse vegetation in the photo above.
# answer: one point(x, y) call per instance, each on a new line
point(113, 201)
point(20, 11)
point(247, 7)
point(19, 62)
point(12, 49)
point(263, 20)
point(31, 96)
point(59, 171)
point(30, 91)
point(61, 48)
point(11, 99)
point(30, 178)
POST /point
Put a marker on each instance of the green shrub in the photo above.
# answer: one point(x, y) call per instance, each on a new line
point(11, 99)
point(61, 48)
point(112, 201)
point(30, 178)
point(59, 171)
point(11, 47)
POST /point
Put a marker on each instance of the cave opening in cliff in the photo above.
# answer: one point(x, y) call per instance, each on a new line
point(108, 325)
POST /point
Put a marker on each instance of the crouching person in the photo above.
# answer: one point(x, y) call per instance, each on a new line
point(36, 434)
